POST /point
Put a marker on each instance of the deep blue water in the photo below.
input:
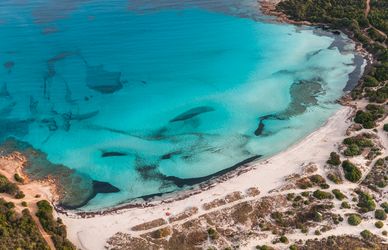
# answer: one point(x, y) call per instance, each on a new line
point(130, 93)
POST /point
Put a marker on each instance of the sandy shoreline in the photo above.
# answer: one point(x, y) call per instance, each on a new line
point(266, 175)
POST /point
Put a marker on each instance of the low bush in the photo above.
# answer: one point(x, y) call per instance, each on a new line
point(7, 187)
point(317, 179)
point(345, 204)
point(212, 233)
point(366, 235)
point(338, 194)
point(334, 159)
point(18, 178)
point(379, 224)
point(354, 219)
point(20, 195)
point(352, 173)
point(380, 214)
point(283, 239)
point(365, 202)
point(321, 195)
point(352, 150)
point(336, 178)
point(365, 118)
point(264, 247)
point(385, 206)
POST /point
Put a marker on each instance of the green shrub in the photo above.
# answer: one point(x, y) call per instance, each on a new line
point(365, 202)
point(352, 150)
point(293, 247)
point(18, 178)
point(379, 224)
point(264, 247)
point(317, 232)
point(335, 178)
point(338, 194)
point(366, 235)
point(283, 239)
point(370, 81)
point(354, 219)
point(290, 196)
point(321, 195)
point(365, 118)
point(24, 204)
point(385, 233)
point(385, 206)
point(334, 159)
point(20, 195)
point(385, 127)
point(305, 193)
point(317, 179)
point(380, 214)
point(7, 187)
point(345, 204)
point(352, 173)
point(212, 233)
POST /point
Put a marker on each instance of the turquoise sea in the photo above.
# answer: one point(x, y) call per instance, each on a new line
point(123, 99)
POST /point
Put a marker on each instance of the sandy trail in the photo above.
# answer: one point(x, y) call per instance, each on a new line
point(367, 8)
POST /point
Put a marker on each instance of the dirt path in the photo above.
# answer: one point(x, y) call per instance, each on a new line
point(367, 8)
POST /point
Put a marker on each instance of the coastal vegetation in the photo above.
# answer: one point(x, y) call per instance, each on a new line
point(354, 219)
point(338, 194)
point(334, 159)
point(55, 228)
point(380, 214)
point(379, 224)
point(10, 188)
point(352, 173)
point(321, 195)
point(18, 231)
point(366, 202)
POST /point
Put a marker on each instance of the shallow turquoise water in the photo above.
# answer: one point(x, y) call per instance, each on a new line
point(130, 93)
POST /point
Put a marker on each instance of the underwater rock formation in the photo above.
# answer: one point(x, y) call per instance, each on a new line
point(103, 81)
point(303, 95)
point(112, 154)
point(151, 172)
point(192, 113)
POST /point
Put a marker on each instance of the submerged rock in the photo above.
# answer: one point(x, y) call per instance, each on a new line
point(103, 81)
point(104, 187)
point(303, 95)
point(192, 113)
point(112, 154)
